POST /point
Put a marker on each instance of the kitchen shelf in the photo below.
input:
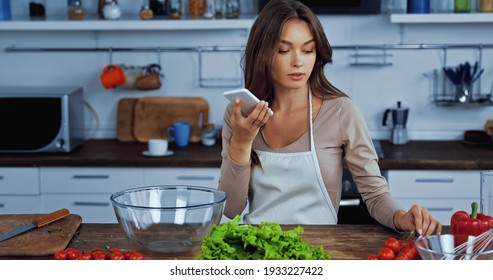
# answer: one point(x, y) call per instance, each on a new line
point(126, 23)
point(442, 18)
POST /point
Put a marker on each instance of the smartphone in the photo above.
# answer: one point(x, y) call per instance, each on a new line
point(248, 100)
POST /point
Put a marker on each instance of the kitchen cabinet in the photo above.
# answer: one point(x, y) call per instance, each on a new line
point(19, 190)
point(86, 191)
point(206, 177)
point(441, 191)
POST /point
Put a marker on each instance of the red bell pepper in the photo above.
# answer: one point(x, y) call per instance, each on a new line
point(462, 224)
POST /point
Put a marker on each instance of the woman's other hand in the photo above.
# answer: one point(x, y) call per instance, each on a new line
point(417, 219)
point(245, 128)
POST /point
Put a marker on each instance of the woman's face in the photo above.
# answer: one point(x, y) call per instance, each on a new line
point(293, 63)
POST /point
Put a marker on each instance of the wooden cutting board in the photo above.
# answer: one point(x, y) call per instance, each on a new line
point(125, 120)
point(42, 241)
point(153, 115)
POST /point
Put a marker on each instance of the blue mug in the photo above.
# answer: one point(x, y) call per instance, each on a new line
point(5, 10)
point(179, 132)
point(418, 6)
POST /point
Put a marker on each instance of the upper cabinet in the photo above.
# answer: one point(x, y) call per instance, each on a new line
point(442, 18)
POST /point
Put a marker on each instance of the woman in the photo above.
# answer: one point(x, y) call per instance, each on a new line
point(287, 166)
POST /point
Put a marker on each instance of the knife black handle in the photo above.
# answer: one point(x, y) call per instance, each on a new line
point(55, 216)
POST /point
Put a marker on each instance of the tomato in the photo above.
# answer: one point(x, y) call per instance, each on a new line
point(115, 250)
point(402, 257)
point(85, 256)
point(98, 255)
point(414, 251)
point(116, 256)
point(136, 256)
point(386, 254)
point(74, 254)
point(61, 255)
point(393, 244)
point(373, 257)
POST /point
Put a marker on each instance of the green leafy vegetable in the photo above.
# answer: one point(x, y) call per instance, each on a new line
point(232, 241)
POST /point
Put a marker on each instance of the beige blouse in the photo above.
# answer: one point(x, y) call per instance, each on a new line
point(341, 139)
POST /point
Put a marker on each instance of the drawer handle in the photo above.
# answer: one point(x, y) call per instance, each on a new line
point(185, 177)
point(91, 176)
point(434, 180)
point(2, 205)
point(445, 209)
point(1, 177)
point(82, 203)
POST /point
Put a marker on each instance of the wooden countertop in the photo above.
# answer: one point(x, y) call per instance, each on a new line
point(437, 155)
point(344, 242)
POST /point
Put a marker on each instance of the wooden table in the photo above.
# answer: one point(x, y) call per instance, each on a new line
point(343, 242)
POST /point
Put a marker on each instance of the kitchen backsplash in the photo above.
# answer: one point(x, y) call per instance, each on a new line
point(374, 88)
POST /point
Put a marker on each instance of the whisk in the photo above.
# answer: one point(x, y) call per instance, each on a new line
point(474, 245)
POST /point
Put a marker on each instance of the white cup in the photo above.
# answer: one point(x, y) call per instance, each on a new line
point(157, 146)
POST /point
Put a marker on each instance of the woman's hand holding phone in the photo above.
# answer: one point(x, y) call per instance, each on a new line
point(245, 128)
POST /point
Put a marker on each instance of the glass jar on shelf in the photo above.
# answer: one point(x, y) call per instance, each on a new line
point(486, 6)
point(197, 8)
point(462, 6)
point(158, 7)
point(37, 9)
point(146, 13)
point(232, 8)
point(174, 9)
point(218, 8)
point(76, 10)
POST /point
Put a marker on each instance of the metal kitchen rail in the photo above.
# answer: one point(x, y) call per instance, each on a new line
point(203, 82)
point(380, 57)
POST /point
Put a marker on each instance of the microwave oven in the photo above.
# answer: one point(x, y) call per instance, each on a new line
point(41, 119)
point(338, 7)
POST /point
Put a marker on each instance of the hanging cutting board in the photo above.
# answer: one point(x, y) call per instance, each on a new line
point(125, 120)
point(153, 115)
point(42, 241)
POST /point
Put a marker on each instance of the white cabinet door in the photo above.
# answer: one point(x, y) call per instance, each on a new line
point(441, 191)
point(93, 208)
point(19, 190)
point(89, 180)
point(19, 180)
point(19, 204)
point(86, 191)
point(206, 177)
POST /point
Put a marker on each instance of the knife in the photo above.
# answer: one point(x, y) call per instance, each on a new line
point(44, 220)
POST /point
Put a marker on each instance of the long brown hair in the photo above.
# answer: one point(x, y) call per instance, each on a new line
point(263, 44)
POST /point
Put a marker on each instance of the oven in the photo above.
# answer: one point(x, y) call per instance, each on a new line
point(352, 209)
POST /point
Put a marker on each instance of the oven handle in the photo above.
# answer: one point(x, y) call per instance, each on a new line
point(350, 202)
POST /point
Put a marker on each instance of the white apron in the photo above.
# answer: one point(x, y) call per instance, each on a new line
point(289, 188)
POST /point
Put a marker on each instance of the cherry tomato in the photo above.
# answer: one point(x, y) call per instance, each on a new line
point(116, 256)
point(99, 255)
point(386, 254)
point(373, 257)
point(136, 256)
point(74, 254)
point(393, 244)
point(61, 255)
point(115, 250)
point(85, 256)
point(402, 257)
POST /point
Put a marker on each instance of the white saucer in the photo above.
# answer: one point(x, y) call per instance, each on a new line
point(167, 154)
